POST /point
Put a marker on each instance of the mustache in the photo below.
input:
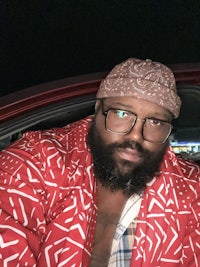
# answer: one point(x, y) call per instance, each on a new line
point(129, 144)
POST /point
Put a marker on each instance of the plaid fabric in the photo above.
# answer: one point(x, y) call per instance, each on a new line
point(123, 255)
point(124, 236)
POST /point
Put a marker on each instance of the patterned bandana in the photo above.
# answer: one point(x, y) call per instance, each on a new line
point(143, 79)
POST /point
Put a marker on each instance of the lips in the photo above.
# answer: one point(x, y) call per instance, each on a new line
point(129, 154)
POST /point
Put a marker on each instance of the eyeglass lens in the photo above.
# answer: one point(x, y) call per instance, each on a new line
point(122, 122)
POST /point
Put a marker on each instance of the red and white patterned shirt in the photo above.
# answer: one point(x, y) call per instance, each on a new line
point(48, 205)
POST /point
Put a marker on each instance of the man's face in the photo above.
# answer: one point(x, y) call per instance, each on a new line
point(126, 161)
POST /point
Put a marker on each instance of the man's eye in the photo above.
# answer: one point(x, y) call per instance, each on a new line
point(121, 113)
point(155, 122)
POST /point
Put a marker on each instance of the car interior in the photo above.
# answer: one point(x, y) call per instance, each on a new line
point(184, 139)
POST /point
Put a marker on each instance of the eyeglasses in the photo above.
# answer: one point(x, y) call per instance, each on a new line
point(122, 122)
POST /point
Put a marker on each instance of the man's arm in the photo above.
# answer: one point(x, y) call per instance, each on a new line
point(22, 210)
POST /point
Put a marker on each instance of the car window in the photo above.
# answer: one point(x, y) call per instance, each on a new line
point(55, 115)
point(185, 137)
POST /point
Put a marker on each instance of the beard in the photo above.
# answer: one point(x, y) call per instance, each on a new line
point(122, 175)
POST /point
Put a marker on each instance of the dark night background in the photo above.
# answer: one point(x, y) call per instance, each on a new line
point(44, 40)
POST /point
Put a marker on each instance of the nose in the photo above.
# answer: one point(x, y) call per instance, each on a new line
point(136, 132)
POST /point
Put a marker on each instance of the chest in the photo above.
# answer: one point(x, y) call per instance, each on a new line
point(110, 207)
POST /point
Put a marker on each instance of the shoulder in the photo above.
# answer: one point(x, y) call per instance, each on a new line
point(77, 127)
point(44, 155)
point(177, 179)
point(38, 145)
point(58, 137)
point(179, 167)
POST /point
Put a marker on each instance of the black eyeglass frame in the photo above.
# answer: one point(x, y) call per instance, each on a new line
point(105, 113)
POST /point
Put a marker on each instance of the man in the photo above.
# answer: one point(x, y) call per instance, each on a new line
point(106, 190)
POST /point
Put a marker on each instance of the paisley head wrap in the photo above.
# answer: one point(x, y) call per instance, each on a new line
point(143, 79)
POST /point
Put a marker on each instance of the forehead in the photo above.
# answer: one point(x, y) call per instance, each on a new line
point(136, 105)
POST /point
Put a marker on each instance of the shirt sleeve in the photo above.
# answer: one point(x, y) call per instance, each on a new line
point(47, 203)
point(23, 202)
point(191, 240)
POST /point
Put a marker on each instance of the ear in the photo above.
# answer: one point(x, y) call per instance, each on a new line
point(97, 106)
